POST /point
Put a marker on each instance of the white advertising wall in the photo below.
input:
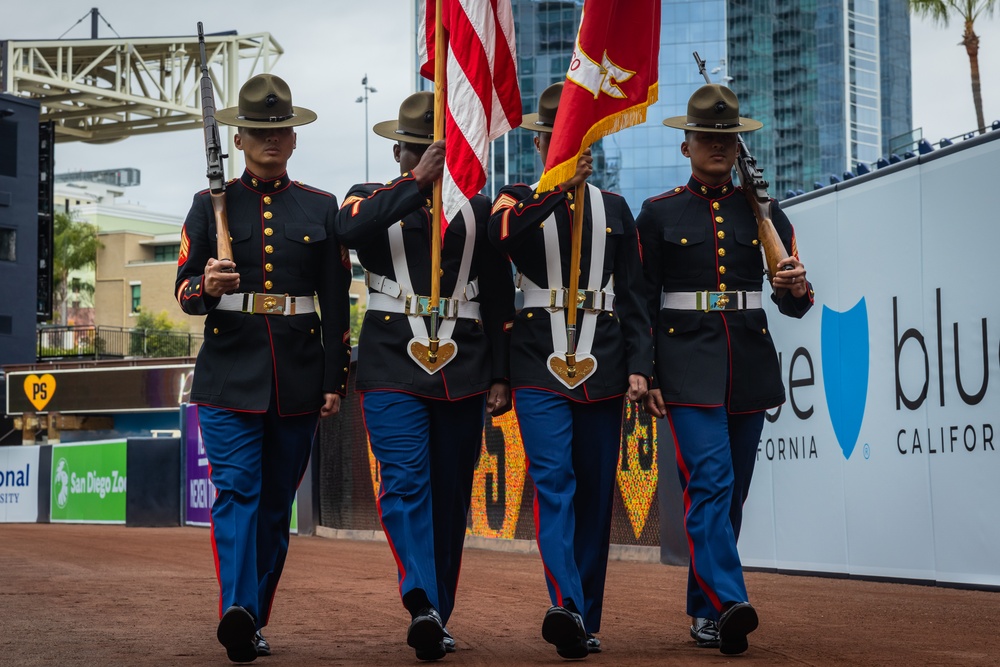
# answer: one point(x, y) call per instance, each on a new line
point(883, 461)
point(18, 484)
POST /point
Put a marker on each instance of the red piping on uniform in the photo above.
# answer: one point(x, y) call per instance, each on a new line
point(729, 355)
point(712, 597)
point(211, 525)
point(534, 505)
point(378, 505)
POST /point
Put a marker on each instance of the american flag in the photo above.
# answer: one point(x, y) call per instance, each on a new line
point(483, 99)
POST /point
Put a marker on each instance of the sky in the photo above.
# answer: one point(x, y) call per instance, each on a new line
point(329, 47)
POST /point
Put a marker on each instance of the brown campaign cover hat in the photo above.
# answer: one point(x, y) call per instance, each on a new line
point(415, 124)
point(548, 104)
point(713, 108)
point(265, 101)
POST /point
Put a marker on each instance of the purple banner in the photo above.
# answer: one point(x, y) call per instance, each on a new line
point(199, 490)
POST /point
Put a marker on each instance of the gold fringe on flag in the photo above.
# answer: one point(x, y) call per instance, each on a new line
point(635, 115)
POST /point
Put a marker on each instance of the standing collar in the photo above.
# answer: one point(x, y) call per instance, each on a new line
point(265, 185)
point(711, 191)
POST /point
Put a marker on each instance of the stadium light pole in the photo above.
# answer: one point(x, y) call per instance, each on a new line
point(364, 98)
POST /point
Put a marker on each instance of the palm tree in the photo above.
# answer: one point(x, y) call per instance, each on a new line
point(940, 11)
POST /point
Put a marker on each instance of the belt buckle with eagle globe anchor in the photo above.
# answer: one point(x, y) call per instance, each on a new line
point(271, 305)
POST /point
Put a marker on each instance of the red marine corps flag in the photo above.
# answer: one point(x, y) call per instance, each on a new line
point(483, 100)
point(611, 80)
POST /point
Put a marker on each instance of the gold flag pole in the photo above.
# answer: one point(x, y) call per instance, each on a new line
point(433, 353)
point(570, 370)
point(572, 299)
point(440, 57)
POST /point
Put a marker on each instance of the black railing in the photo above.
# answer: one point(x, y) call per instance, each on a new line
point(96, 342)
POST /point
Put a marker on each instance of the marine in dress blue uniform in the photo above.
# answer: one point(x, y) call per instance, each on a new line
point(716, 368)
point(268, 367)
point(425, 427)
point(572, 431)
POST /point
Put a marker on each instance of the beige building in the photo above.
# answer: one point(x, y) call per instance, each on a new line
point(137, 271)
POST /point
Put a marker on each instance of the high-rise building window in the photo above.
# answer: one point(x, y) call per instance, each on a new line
point(8, 245)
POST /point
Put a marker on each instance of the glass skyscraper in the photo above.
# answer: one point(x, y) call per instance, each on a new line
point(830, 80)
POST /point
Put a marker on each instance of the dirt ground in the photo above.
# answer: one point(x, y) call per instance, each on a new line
point(110, 595)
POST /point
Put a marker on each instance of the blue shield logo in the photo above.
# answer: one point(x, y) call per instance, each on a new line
point(845, 371)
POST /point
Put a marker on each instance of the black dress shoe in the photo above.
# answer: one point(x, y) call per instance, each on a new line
point(564, 628)
point(705, 632)
point(426, 634)
point(449, 642)
point(263, 648)
point(593, 644)
point(236, 633)
point(735, 624)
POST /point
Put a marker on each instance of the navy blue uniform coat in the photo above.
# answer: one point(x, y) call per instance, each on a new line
point(701, 237)
point(622, 342)
point(383, 364)
point(281, 232)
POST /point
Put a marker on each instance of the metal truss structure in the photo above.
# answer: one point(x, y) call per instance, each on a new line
point(104, 90)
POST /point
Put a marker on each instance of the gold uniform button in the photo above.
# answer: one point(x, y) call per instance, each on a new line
point(534, 196)
point(267, 199)
point(520, 204)
point(346, 369)
point(572, 207)
point(608, 230)
point(269, 249)
point(763, 331)
point(277, 184)
point(268, 231)
point(268, 284)
point(670, 330)
point(718, 218)
point(722, 287)
point(722, 252)
point(722, 270)
point(704, 190)
point(306, 238)
point(725, 189)
point(215, 330)
point(678, 189)
point(684, 241)
point(269, 267)
point(402, 224)
point(721, 234)
point(754, 242)
point(530, 315)
point(569, 195)
point(541, 225)
point(716, 206)
point(387, 318)
point(312, 331)
point(253, 181)
point(268, 215)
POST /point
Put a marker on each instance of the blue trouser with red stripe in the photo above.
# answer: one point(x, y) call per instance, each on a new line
point(572, 458)
point(716, 452)
point(257, 461)
point(427, 451)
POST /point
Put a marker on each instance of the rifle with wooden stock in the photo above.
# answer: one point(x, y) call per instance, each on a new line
point(213, 155)
point(755, 189)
